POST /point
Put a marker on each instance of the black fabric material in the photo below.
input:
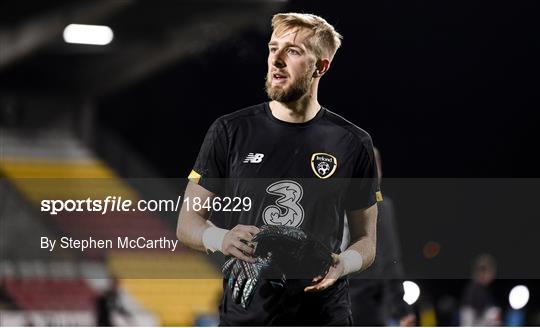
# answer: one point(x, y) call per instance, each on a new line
point(288, 149)
point(270, 161)
point(290, 306)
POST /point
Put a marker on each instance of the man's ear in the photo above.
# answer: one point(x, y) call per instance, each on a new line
point(321, 67)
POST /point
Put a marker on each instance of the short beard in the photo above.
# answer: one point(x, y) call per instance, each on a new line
point(296, 91)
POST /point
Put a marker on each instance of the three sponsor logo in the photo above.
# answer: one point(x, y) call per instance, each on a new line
point(286, 209)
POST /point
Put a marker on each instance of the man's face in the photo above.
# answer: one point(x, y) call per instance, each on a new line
point(290, 65)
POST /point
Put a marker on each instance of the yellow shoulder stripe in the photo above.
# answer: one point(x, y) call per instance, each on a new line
point(378, 196)
point(194, 176)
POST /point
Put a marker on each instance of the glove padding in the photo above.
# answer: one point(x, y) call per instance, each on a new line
point(281, 252)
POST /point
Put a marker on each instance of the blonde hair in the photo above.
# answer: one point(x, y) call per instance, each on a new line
point(324, 40)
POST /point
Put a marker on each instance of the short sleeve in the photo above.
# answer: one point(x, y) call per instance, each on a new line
point(211, 165)
point(363, 189)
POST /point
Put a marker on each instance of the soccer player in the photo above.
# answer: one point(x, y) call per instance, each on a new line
point(312, 166)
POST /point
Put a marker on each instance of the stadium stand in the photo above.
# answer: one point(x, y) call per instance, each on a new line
point(54, 165)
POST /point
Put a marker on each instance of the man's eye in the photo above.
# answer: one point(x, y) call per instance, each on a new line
point(272, 50)
point(293, 52)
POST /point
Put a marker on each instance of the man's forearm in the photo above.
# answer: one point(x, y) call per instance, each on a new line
point(193, 229)
point(363, 228)
point(365, 248)
point(190, 229)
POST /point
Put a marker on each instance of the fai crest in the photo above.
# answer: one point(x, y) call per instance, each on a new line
point(323, 165)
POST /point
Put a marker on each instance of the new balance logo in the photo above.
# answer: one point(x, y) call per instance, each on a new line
point(253, 158)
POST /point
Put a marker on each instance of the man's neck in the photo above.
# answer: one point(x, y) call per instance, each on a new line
point(300, 111)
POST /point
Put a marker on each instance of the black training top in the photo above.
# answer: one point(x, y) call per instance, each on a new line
point(300, 174)
point(296, 174)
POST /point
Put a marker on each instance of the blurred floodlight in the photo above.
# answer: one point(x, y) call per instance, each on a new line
point(412, 292)
point(88, 34)
point(519, 297)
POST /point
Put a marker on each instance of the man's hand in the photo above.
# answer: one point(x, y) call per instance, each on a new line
point(279, 253)
point(237, 242)
point(334, 273)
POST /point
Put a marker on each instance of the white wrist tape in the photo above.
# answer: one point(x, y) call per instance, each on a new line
point(352, 261)
point(212, 238)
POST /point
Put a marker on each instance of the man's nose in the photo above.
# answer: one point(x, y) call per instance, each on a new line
point(277, 59)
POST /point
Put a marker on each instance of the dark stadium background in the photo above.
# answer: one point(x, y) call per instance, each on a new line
point(447, 90)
